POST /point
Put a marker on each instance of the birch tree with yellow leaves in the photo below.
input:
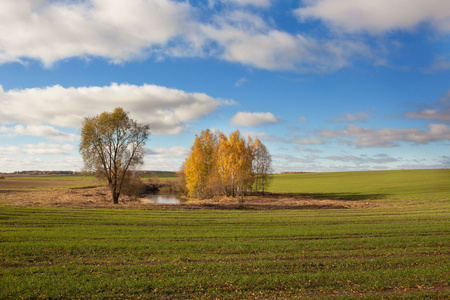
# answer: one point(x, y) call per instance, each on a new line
point(198, 167)
point(223, 165)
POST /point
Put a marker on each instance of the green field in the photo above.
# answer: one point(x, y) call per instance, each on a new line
point(397, 249)
point(408, 186)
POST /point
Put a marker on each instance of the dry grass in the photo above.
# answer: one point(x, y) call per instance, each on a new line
point(78, 192)
point(100, 197)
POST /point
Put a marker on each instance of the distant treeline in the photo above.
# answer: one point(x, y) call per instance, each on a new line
point(294, 172)
point(36, 172)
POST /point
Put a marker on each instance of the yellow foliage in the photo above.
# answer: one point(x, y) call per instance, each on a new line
point(220, 165)
point(198, 165)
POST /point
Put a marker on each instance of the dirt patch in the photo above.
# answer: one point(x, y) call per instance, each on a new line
point(100, 197)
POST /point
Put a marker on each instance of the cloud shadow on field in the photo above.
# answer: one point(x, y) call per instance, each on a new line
point(342, 196)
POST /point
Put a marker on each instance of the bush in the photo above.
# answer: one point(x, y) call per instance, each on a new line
point(173, 187)
point(2, 177)
point(133, 186)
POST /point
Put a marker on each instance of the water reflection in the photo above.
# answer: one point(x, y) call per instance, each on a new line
point(163, 199)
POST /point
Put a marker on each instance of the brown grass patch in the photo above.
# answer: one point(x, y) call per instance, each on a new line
point(81, 193)
point(101, 197)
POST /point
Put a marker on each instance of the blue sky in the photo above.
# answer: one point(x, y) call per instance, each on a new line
point(327, 85)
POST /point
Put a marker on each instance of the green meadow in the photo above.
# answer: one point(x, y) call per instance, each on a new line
point(397, 248)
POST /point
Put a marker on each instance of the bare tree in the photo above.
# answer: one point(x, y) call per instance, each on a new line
point(262, 165)
point(113, 144)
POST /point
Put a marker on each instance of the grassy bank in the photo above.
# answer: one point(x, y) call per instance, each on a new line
point(398, 249)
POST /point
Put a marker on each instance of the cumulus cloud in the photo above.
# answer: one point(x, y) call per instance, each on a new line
point(258, 3)
point(38, 149)
point(377, 159)
point(120, 31)
point(430, 114)
point(45, 163)
point(388, 137)
point(117, 30)
point(247, 39)
point(38, 130)
point(378, 16)
point(166, 110)
point(356, 117)
point(440, 112)
point(256, 119)
point(166, 159)
point(300, 148)
point(310, 141)
point(294, 159)
point(168, 152)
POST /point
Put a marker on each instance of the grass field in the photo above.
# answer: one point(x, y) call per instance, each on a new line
point(407, 186)
point(396, 249)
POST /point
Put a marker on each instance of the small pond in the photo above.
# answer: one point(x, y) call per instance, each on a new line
point(163, 199)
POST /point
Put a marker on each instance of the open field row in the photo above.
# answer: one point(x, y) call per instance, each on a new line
point(396, 246)
point(51, 253)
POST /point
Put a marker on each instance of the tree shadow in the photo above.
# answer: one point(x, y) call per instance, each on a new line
point(342, 196)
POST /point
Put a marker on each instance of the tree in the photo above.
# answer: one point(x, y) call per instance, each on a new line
point(261, 165)
point(113, 144)
point(225, 165)
point(234, 163)
point(198, 166)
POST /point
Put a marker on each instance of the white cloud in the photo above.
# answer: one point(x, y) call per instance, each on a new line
point(120, 31)
point(378, 16)
point(117, 30)
point(241, 81)
point(430, 114)
point(302, 119)
point(166, 110)
point(310, 141)
point(440, 112)
point(246, 38)
point(440, 63)
point(257, 3)
point(173, 152)
point(166, 159)
point(263, 136)
point(300, 148)
point(37, 149)
point(294, 159)
point(47, 163)
point(249, 119)
point(38, 130)
point(356, 117)
point(377, 159)
point(388, 137)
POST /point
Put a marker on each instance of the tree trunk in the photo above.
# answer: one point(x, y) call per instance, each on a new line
point(116, 198)
point(115, 195)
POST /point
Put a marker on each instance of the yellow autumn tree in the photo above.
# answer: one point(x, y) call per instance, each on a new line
point(221, 165)
point(112, 145)
point(237, 160)
point(198, 166)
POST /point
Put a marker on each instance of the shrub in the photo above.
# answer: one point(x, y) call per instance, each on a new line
point(133, 186)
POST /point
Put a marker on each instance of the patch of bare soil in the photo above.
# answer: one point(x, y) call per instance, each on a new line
point(101, 197)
